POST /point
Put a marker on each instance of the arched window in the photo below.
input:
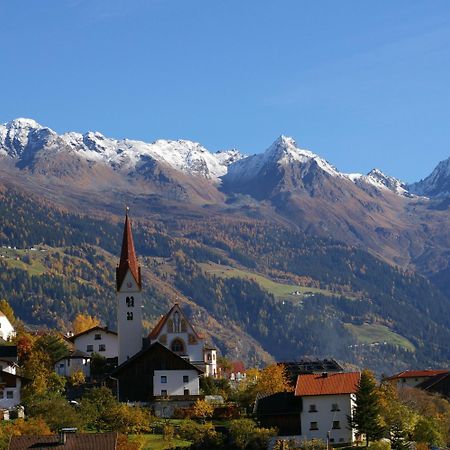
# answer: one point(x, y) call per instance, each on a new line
point(177, 346)
point(129, 316)
point(130, 301)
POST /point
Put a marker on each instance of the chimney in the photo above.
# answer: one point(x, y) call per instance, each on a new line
point(63, 432)
point(324, 374)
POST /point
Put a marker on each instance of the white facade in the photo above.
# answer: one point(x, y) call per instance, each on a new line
point(326, 415)
point(410, 381)
point(97, 340)
point(129, 318)
point(177, 334)
point(10, 394)
point(175, 382)
point(210, 358)
point(6, 329)
point(66, 367)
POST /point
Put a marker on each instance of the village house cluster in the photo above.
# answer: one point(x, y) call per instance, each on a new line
point(163, 369)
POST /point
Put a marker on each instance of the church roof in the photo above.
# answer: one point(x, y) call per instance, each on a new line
point(163, 319)
point(128, 260)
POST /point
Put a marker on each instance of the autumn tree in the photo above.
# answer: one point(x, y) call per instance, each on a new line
point(6, 309)
point(83, 322)
point(366, 417)
point(202, 410)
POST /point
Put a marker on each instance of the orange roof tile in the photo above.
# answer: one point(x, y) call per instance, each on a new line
point(417, 374)
point(128, 259)
point(329, 384)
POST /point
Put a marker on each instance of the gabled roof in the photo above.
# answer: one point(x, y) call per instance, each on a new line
point(75, 354)
point(327, 384)
point(96, 328)
point(74, 441)
point(128, 260)
point(151, 348)
point(430, 382)
point(163, 319)
point(417, 374)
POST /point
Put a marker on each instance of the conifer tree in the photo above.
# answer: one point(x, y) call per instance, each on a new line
point(366, 416)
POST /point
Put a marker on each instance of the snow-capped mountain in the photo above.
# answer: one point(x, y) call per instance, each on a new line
point(437, 184)
point(282, 152)
point(23, 138)
point(381, 181)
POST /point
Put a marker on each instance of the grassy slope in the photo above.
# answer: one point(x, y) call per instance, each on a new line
point(279, 290)
point(374, 333)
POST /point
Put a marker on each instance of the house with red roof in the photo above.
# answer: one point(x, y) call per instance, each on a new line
point(413, 378)
point(327, 399)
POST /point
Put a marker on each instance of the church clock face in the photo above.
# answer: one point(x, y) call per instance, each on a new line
point(129, 284)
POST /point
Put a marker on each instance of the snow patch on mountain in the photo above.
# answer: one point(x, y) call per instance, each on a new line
point(437, 184)
point(183, 155)
point(283, 151)
point(381, 181)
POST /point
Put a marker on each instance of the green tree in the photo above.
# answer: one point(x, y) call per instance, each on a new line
point(366, 416)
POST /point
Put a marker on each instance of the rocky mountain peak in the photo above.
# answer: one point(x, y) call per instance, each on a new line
point(437, 184)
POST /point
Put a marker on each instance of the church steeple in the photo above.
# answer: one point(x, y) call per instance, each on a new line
point(128, 260)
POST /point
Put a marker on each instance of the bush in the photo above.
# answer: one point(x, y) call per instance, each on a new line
point(245, 435)
point(380, 445)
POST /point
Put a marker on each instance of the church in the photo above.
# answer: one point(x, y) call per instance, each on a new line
point(169, 362)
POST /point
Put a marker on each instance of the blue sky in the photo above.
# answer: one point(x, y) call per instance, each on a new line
point(362, 83)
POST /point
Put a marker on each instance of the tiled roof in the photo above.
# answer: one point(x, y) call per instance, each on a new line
point(327, 384)
point(188, 365)
point(417, 374)
point(74, 441)
point(96, 328)
point(128, 259)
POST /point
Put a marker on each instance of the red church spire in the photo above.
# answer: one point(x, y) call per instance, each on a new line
point(128, 259)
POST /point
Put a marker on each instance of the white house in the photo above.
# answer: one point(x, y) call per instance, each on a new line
point(174, 331)
point(6, 329)
point(175, 382)
point(99, 340)
point(327, 402)
point(74, 362)
point(10, 386)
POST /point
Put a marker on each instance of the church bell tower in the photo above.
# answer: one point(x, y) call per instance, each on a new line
point(129, 297)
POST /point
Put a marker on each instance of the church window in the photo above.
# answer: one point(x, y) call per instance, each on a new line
point(176, 322)
point(102, 348)
point(129, 316)
point(163, 379)
point(177, 346)
point(90, 348)
point(98, 337)
point(130, 301)
point(185, 378)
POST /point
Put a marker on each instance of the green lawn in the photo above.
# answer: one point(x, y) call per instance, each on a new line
point(156, 442)
point(279, 290)
point(14, 260)
point(371, 333)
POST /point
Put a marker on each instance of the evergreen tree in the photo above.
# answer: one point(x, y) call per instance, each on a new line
point(366, 416)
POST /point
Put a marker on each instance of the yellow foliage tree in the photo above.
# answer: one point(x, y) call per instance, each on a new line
point(77, 378)
point(202, 410)
point(83, 322)
point(273, 379)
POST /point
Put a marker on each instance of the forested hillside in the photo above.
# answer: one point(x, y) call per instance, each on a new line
point(356, 308)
